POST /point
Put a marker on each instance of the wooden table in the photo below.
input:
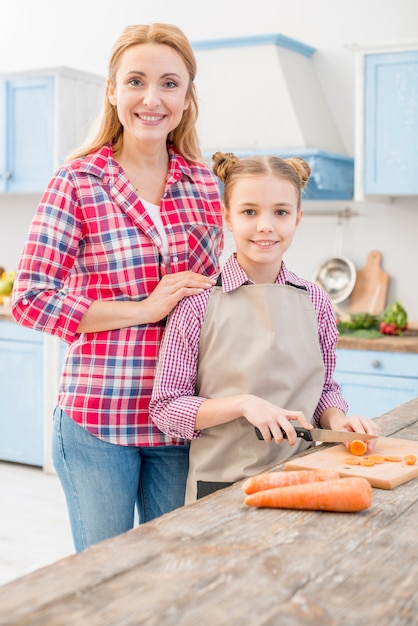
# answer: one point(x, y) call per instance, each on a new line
point(407, 343)
point(218, 562)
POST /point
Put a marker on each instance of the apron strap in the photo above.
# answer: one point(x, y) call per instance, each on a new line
point(296, 286)
point(219, 283)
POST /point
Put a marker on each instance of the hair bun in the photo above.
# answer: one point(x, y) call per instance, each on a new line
point(302, 168)
point(223, 162)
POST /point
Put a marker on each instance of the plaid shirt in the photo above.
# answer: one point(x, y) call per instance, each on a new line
point(91, 239)
point(174, 404)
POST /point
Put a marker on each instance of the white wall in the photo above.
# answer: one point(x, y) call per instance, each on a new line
point(36, 34)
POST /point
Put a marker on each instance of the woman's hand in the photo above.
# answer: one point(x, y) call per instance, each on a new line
point(104, 315)
point(171, 289)
point(335, 419)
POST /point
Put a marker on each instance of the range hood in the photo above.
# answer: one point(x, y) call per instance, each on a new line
point(260, 95)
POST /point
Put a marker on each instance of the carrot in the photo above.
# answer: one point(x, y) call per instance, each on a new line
point(410, 459)
point(377, 458)
point(351, 460)
point(358, 447)
point(393, 459)
point(366, 462)
point(340, 494)
point(270, 480)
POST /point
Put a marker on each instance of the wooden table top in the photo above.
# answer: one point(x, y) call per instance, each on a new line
point(219, 562)
point(407, 343)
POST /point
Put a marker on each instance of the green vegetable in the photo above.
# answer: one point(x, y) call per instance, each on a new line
point(359, 321)
point(394, 320)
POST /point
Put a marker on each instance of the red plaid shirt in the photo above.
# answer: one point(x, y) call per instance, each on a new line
point(91, 239)
point(174, 404)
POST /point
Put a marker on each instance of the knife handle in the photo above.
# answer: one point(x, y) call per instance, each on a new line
point(303, 433)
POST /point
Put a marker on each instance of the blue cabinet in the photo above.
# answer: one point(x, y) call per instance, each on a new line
point(44, 115)
point(391, 123)
point(375, 382)
point(27, 155)
point(21, 394)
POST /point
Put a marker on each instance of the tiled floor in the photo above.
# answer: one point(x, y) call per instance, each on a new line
point(34, 528)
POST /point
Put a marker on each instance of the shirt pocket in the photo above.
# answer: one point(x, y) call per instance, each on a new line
point(204, 246)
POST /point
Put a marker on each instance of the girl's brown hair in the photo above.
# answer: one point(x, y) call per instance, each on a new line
point(184, 137)
point(230, 168)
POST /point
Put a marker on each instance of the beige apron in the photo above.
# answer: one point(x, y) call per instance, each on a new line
point(261, 340)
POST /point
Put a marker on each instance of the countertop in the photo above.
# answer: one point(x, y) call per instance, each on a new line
point(408, 342)
point(218, 562)
point(5, 313)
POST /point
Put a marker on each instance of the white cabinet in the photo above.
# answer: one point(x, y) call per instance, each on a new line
point(386, 159)
point(44, 114)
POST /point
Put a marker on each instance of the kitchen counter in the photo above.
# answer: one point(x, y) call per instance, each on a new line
point(219, 562)
point(408, 342)
point(5, 313)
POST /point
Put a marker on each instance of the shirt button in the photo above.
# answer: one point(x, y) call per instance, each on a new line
point(25, 301)
point(175, 259)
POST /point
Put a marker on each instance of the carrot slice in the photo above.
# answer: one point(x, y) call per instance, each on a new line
point(358, 447)
point(341, 494)
point(270, 480)
point(367, 462)
point(393, 459)
point(376, 458)
point(410, 459)
point(351, 460)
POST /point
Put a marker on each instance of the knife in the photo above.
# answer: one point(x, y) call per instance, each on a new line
point(324, 434)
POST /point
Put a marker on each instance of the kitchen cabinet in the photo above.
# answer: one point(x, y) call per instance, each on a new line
point(386, 159)
point(44, 114)
point(30, 367)
point(374, 382)
point(21, 393)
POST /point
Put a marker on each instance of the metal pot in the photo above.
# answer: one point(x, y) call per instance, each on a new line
point(337, 276)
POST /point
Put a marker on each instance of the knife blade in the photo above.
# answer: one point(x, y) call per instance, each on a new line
point(324, 435)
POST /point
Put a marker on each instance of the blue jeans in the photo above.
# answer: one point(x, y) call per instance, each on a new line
point(102, 481)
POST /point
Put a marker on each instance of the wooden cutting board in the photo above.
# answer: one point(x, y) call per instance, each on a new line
point(371, 287)
point(385, 475)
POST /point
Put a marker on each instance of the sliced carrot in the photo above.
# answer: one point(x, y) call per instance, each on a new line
point(341, 494)
point(367, 462)
point(270, 480)
point(351, 460)
point(410, 459)
point(376, 458)
point(358, 447)
point(393, 459)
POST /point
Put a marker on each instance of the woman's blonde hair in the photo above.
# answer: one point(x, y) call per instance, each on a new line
point(184, 137)
point(229, 168)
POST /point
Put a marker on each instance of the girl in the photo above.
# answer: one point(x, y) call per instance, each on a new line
point(259, 348)
point(127, 228)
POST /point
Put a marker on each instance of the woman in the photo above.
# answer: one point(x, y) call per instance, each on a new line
point(259, 349)
point(128, 227)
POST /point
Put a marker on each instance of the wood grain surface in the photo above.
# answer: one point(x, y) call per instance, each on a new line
point(217, 562)
point(371, 287)
point(386, 475)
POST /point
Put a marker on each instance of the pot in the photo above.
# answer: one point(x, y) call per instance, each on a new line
point(337, 275)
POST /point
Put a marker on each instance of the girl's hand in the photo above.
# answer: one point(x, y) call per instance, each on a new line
point(171, 289)
point(270, 418)
point(335, 419)
point(361, 424)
